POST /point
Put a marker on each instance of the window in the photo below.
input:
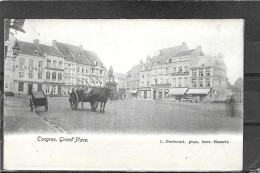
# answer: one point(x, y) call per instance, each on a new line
point(6, 85)
point(47, 89)
point(48, 75)
point(174, 82)
point(155, 81)
point(186, 81)
point(200, 82)
point(49, 63)
point(31, 62)
point(39, 75)
point(207, 72)
point(59, 76)
point(40, 64)
point(200, 72)
point(82, 70)
point(39, 87)
point(180, 69)
point(92, 70)
point(53, 76)
point(100, 72)
point(21, 73)
point(194, 82)
point(21, 85)
point(36, 52)
point(97, 63)
point(143, 76)
point(54, 64)
point(170, 60)
point(60, 64)
point(78, 70)
point(166, 70)
point(174, 70)
point(30, 73)
point(186, 69)
point(21, 61)
point(207, 82)
point(167, 81)
point(194, 73)
point(148, 83)
point(53, 89)
point(180, 82)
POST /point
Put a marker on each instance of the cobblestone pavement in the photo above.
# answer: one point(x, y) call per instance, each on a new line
point(142, 116)
point(19, 119)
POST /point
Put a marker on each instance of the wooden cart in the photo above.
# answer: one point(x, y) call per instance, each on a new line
point(38, 99)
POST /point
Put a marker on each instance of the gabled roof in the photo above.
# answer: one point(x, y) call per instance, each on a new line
point(29, 49)
point(49, 50)
point(79, 54)
point(64, 49)
point(188, 52)
point(165, 54)
point(92, 56)
point(204, 61)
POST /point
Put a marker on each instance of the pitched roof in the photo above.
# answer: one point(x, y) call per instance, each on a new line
point(165, 54)
point(79, 54)
point(64, 49)
point(188, 52)
point(50, 50)
point(204, 61)
point(29, 49)
point(92, 56)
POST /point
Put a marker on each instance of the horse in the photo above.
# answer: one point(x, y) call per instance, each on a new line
point(101, 95)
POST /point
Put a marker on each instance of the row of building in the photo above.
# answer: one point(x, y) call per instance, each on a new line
point(179, 74)
point(54, 69)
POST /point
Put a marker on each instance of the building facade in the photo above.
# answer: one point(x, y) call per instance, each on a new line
point(28, 70)
point(55, 69)
point(181, 74)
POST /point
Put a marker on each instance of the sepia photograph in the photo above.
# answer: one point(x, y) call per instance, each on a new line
point(176, 82)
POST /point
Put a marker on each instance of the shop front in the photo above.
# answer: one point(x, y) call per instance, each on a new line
point(160, 92)
point(199, 95)
point(145, 93)
point(178, 94)
point(134, 93)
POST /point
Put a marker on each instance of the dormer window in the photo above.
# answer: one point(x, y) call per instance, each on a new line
point(36, 52)
point(170, 60)
point(97, 63)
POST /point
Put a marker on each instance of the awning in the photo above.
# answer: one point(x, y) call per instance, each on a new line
point(177, 91)
point(133, 91)
point(198, 91)
point(145, 89)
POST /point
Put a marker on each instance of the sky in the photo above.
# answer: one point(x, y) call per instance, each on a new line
point(122, 43)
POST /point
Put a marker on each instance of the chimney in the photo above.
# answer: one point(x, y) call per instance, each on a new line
point(199, 48)
point(54, 42)
point(36, 41)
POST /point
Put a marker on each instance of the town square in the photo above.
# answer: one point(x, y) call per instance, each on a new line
point(66, 87)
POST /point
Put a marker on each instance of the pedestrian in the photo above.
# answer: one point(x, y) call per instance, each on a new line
point(230, 105)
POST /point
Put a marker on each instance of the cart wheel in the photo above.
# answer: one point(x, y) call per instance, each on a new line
point(46, 108)
point(31, 105)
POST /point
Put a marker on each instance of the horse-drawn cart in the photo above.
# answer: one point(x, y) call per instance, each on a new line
point(80, 96)
point(38, 99)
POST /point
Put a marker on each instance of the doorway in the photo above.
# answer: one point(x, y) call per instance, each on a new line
point(154, 94)
point(59, 89)
point(30, 89)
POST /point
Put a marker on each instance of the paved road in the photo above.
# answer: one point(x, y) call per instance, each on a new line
point(142, 116)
